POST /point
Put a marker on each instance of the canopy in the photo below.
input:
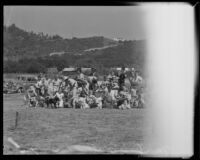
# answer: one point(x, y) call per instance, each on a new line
point(69, 69)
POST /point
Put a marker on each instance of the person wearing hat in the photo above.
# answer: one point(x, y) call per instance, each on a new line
point(81, 78)
point(73, 85)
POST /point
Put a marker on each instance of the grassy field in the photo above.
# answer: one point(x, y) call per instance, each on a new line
point(59, 129)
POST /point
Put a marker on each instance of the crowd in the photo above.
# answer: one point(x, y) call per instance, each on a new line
point(120, 90)
point(12, 87)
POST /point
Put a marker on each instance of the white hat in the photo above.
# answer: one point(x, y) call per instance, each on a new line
point(32, 88)
point(66, 77)
point(115, 85)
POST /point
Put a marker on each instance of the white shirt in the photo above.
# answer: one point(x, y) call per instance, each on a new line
point(113, 94)
point(62, 84)
point(46, 83)
point(73, 82)
point(109, 76)
point(50, 89)
point(60, 95)
point(133, 92)
point(32, 91)
point(57, 82)
point(81, 76)
point(139, 79)
point(39, 84)
point(91, 78)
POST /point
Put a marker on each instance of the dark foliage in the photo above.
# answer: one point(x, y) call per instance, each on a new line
point(29, 52)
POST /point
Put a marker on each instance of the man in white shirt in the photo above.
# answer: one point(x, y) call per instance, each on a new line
point(56, 83)
point(46, 82)
point(51, 89)
point(73, 85)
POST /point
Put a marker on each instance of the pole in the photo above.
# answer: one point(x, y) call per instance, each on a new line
point(16, 119)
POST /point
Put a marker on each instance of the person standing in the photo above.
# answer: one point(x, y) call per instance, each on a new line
point(50, 88)
point(110, 78)
point(92, 81)
point(38, 86)
point(57, 82)
point(121, 80)
point(72, 84)
point(81, 75)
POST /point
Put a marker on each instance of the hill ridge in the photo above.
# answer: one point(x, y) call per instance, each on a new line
point(29, 52)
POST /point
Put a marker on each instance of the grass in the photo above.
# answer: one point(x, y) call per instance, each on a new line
point(50, 129)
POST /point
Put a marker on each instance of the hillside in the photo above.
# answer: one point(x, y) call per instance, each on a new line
point(32, 53)
point(21, 44)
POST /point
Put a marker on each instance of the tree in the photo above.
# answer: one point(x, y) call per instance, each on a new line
point(35, 67)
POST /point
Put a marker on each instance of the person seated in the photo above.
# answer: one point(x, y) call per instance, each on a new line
point(60, 96)
point(140, 97)
point(138, 79)
point(123, 95)
point(83, 103)
point(31, 93)
point(124, 105)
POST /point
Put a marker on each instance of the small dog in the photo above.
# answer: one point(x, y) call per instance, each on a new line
point(52, 102)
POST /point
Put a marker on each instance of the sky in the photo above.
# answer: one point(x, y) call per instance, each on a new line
point(125, 22)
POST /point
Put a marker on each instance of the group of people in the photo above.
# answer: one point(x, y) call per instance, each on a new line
point(88, 91)
point(11, 87)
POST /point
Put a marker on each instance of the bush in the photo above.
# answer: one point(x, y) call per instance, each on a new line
point(35, 67)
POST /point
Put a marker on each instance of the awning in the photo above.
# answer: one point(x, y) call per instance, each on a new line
point(69, 69)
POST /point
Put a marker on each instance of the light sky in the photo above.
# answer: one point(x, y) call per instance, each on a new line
point(125, 22)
